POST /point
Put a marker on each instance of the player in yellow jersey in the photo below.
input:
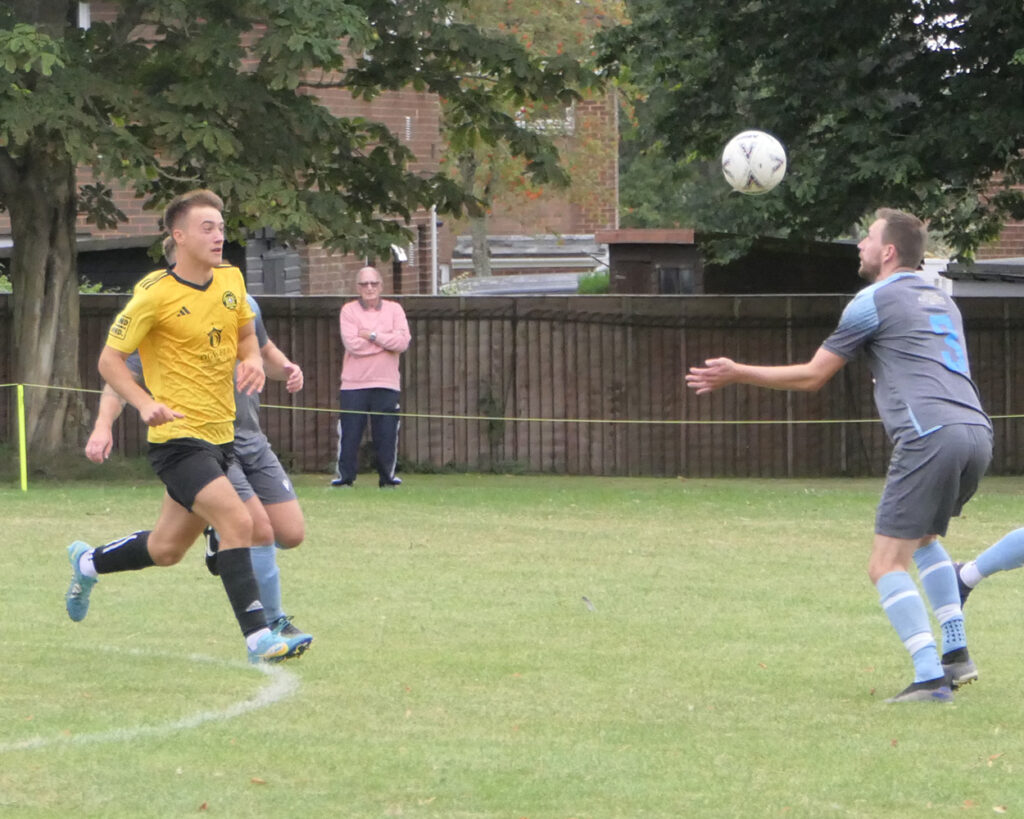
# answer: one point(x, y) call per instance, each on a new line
point(191, 325)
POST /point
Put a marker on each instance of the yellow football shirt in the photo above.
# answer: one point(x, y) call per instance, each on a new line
point(187, 338)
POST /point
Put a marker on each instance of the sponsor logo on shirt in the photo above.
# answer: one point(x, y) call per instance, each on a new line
point(935, 299)
point(119, 329)
point(214, 336)
point(184, 311)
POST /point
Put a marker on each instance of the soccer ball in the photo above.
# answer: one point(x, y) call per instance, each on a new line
point(754, 162)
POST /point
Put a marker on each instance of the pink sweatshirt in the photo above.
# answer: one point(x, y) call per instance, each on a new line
point(373, 363)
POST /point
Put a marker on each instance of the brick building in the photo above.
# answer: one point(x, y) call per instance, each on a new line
point(1010, 243)
point(116, 257)
point(589, 148)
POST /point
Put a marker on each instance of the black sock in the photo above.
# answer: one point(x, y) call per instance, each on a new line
point(236, 574)
point(126, 554)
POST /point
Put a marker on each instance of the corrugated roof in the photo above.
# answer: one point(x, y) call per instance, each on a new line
point(1002, 270)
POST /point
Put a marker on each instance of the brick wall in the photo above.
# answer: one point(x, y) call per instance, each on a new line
point(592, 203)
point(1010, 243)
point(599, 172)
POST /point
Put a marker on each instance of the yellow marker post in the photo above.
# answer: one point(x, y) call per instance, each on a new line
point(22, 448)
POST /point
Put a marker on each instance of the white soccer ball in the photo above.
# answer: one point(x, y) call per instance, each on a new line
point(754, 162)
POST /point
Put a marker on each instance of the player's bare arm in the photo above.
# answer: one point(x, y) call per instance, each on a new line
point(101, 439)
point(250, 374)
point(279, 367)
point(807, 377)
point(115, 372)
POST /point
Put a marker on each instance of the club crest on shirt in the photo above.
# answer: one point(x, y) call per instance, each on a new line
point(229, 300)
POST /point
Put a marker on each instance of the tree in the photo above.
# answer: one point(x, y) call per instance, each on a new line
point(179, 94)
point(909, 103)
point(550, 30)
point(654, 190)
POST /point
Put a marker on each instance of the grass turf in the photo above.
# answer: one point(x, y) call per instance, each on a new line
point(492, 646)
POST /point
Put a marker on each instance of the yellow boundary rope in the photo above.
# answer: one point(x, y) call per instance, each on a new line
point(546, 420)
point(23, 457)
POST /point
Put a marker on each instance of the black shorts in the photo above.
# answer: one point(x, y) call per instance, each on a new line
point(186, 465)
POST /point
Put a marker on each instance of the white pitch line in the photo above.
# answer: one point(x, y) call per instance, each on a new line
point(282, 684)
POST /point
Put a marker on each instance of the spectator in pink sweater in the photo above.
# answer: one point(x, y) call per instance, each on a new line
point(374, 333)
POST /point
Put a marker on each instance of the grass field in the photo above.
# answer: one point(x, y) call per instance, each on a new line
point(506, 647)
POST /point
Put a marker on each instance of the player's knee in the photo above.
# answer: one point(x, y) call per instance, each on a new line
point(163, 554)
point(291, 535)
point(236, 532)
point(878, 567)
point(262, 533)
point(290, 541)
point(244, 532)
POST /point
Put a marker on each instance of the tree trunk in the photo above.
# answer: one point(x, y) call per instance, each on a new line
point(481, 249)
point(38, 189)
point(477, 224)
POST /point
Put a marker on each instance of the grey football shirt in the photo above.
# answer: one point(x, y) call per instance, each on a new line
point(913, 338)
point(134, 363)
point(248, 435)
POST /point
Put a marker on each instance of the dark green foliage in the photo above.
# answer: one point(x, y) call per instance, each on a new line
point(883, 102)
point(222, 95)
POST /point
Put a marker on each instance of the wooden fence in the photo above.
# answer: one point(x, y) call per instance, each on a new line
point(592, 385)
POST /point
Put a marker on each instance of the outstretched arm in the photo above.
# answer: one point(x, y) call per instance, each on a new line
point(808, 377)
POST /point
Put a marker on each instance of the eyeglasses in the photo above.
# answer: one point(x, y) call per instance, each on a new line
point(367, 284)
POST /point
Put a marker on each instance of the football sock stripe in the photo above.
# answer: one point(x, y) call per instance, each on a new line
point(938, 578)
point(905, 609)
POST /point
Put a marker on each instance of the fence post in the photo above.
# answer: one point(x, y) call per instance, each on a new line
point(22, 448)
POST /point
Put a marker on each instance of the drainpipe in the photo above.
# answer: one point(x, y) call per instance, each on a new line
point(433, 250)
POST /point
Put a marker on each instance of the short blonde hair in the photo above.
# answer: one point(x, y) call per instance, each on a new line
point(180, 205)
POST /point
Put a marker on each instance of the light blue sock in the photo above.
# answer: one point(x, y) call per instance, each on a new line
point(264, 566)
point(905, 609)
point(938, 578)
point(1003, 556)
